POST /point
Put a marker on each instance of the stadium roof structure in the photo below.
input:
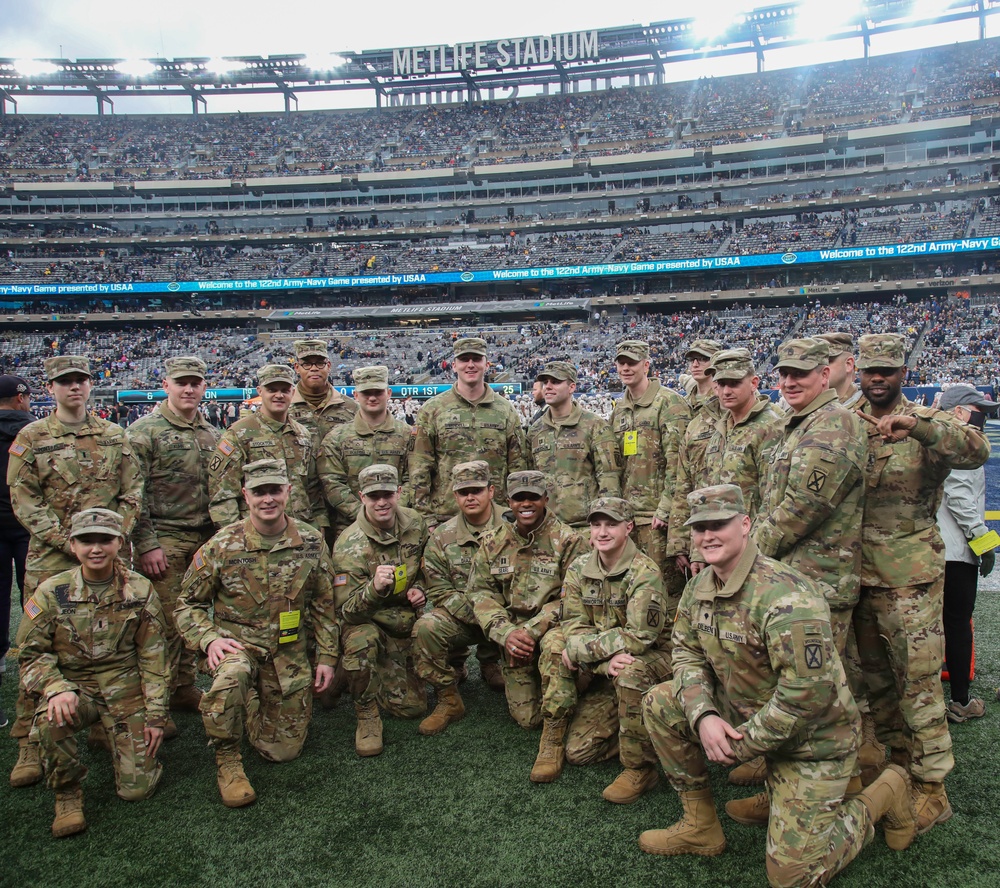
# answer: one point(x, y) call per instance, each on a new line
point(477, 70)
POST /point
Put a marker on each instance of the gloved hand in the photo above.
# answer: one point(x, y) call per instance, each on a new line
point(987, 561)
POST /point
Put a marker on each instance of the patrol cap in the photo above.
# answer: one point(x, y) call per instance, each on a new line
point(840, 343)
point(264, 471)
point(613, 506)
point(378, 477)
point(275, 373)
point(803, 354)
point(962, 395)
point(368, 379)
point(470, 474)
point(96, 521)
point(718, 503)
point(633, 349)
point(561, 370)
point(305, 348)
point(12, 386)
point(706, 348)
point(731, 364)
point(470, 345)
point(64, 365)
point(528, 481)
point(881, 350)
point(186, 365)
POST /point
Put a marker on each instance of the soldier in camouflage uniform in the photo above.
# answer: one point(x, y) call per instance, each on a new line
point(756, 672)
point(574, 447)
point(469, 422)
point(379, 592)
point(898, 622)
point(451, 624)
point(267, 434)
point(611, 646)
point(842, 369)
point(69, 461)
point(648, 423)
point(266, 580)
point(372, 437)
point(173, 445)
point(92, 648)
point(315, 402)
point(515, 586)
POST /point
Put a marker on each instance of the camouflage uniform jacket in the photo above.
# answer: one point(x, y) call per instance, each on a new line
point(516, 581)
point(692, 470)
point(622, 610)
point(900, 539)
point(258, 437)
point(758, 651)
point(659, 419)
point(111, 646)
point(173, 456)
point(448, 564)
point(855, 399)
point(56, 471)
point(353, 446)
point(250, 587)
point(579, 454)
point(334, 410)
point(452, 430)
point(812, 498)
point(359, 550)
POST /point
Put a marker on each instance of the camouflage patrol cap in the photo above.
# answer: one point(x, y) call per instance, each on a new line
point(528, 481)
point(633, 349)
point(378, 477)
point(803, 354)
point(186, 365)
point(64, 365)
point(470, 345)
point(367, 379)
point(305, 348)
point(731, 364)
point(470, 474)
point(881, 350)
point(264, 471)
point(717, 503)
point(840, 343)
point(275, 373)
point(560, 370)
point(102, 521)
point(706, 348)
point(613, 506)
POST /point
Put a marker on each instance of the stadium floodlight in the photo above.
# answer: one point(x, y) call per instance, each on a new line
point(817, 19)
point(323, 61)
point(223, 66)
point(35, 67)
point(709, 27)
point(925, 9)
point(136, 68)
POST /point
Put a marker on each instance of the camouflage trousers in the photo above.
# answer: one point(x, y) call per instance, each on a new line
point(606, 712)
point(653, 542)
point(523, 684)
point(246, 691)
point(439, 639)
point(813, 831)
point(900, 635)
point(381, 668)
point(136, 774)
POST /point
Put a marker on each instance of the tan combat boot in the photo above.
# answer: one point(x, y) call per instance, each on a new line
point(751, 773)
point(871, 755)
point(752, 811)
point(889, 799)
point(931, 804)
point(629, 786)
point(697, 832)
point(97, 737)
point(234, 787)
point(368, 735)
point(450, 708)
point(27, 770)
point(493, 676)
point(69, 818)
point(186, 698)
point(551, 752)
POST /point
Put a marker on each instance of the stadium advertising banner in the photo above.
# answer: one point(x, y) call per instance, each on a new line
point(923, 249)
point(422, 391)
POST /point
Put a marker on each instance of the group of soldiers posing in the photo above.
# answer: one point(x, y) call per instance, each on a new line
point(706, 577)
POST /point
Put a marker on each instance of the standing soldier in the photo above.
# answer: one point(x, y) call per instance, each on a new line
point(572, 446)
point(173, 445)
point(70, 461)
point(92, 648)
point(898, 622)
point(842, 366)
point(266, 580)
point(267, 434)
point(469, 422)
point(315, 402)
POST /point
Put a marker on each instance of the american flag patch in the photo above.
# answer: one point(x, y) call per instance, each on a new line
point(17, 449)
point(226, 448)
point(32, 609)
point(340, 580)
point(198, 561)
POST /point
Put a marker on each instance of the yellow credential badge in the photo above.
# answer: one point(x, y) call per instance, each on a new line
point(400, 573)
point(630, 443)
point(288, 626)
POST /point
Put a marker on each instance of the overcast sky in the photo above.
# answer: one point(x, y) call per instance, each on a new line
point(77, 29)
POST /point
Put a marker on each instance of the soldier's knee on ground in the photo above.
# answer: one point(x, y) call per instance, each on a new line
point(790, 874)
point(137, 792)
point(279, 753)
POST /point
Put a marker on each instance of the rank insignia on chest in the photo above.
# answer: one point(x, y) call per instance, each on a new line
point(705, 622)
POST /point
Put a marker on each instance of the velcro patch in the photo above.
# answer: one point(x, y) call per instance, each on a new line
point(653, 617)
point(17, 449)
point(226, 447)
point(31, 608)
point(340, 580)
point(816, 480)
point(198, 561)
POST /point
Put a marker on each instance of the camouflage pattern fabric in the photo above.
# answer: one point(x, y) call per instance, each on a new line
point(332, 412)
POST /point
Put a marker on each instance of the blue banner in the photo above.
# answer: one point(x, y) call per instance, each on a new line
point(421, 392)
